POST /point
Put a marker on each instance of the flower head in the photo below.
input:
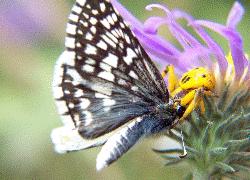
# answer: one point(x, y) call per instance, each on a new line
point(193, 53)
point(217, 141)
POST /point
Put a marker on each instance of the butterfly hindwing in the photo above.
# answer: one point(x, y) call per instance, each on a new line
point(104, 78)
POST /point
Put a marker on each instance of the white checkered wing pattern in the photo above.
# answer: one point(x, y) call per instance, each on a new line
point(104, 78)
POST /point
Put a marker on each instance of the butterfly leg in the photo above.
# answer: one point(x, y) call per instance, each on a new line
point(172, 78)
point(184, 154)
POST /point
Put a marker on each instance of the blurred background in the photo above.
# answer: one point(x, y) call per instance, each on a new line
point(31, 39)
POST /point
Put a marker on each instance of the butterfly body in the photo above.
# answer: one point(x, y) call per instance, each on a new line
point(107, 89)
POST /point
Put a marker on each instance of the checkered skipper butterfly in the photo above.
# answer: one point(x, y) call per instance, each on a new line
point(107, 90)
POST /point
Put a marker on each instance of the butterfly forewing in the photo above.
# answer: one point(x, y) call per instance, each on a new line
point(104, 78)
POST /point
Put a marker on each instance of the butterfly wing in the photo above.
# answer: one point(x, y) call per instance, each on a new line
point(104, 78)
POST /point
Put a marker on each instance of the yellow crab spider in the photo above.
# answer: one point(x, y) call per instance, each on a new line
point(188, 91)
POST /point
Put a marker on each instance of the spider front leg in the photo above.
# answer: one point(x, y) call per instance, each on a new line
point(172, 78)
point(202, 107)
point(201, 104)
point(192, 100)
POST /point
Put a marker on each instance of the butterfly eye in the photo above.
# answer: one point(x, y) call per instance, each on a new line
point(180, 110)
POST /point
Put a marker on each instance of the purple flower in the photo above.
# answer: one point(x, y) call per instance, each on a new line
point(230, 66)
point(30, 21)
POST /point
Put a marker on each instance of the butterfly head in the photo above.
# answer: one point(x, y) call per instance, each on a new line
point(171, 112)
point(180, 110)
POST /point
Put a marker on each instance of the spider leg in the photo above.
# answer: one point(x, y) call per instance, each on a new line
point(172, 78)
point(202, 107)
point(193, 99)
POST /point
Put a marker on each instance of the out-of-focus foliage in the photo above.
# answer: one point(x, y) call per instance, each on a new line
point(31, 39)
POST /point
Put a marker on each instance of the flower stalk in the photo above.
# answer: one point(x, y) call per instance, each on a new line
point(218, 142)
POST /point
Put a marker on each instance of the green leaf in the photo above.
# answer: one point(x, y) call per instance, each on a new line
point(240, 142)
point(173, 162)
point(236, 124)
point(189, 176)
point(241, 168)
point(192, 150)
point(223, 98)
point(231, 177)
point(171, 157)
point(175, 136)
point(221, 128)
point(206, 136)
point(232, 104)
point(195, 122)
point(209, 106)
point(247, 131)
point(218, 151)
point(179, 129)
point(244, 95)
point(225, 167)
point(175, 150)
point(239, 157)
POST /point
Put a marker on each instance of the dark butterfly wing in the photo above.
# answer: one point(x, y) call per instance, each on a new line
point(104, 78)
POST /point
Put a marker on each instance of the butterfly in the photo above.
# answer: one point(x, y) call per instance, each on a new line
point(107, 89)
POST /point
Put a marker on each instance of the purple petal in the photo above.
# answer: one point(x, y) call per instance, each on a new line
point(159, 6)
point(185, 39)
point(235, 43)
point(247, 78)
point(188, 42)
point(156, 46)
point(126, 14)
point(179, 14)
point(195, 57)
point(212, 45)
point(169, 60)
point(235, 15)
point(152, 24)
